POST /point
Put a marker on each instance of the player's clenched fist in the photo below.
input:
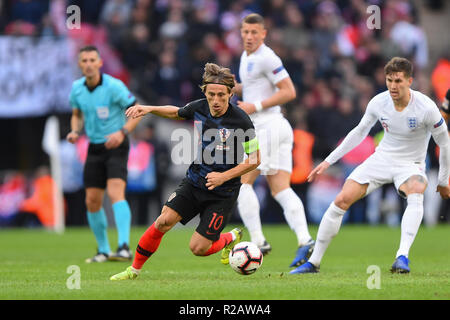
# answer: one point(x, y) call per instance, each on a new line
point(214, 179)
point(72, 137)
point(137, 111)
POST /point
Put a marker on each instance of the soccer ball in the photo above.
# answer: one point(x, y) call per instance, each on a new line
point(245, 258)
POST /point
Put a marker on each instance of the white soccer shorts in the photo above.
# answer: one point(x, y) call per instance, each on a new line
point(276, 140)
point(378, 170)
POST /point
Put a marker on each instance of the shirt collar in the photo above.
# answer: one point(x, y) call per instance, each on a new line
point(98, 84)
point(260, 48)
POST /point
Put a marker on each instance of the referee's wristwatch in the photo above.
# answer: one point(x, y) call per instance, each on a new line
point(125, 131)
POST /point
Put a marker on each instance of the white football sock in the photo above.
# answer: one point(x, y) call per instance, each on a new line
point(328, 229)
point(294, 212)
point(412, 217)
point(248, 205)
point(136, 271)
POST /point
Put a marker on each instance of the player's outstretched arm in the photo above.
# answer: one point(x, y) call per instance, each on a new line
point(439, 132)
point(137, 111)
point(356, 135)
point(442, 140)
point(317, 171)
point(444, 191)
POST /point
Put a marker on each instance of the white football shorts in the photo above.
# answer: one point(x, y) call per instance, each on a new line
point(378, 170)
point(276, 140)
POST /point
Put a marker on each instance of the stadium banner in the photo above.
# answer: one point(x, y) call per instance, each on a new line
point(36, 75)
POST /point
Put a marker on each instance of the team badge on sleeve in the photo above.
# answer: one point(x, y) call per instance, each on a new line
point(439, 123)
point(278, 69)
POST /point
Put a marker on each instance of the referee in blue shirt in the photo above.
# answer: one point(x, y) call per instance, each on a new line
point(99, 102)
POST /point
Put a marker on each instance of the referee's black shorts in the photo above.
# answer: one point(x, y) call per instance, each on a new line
point(103, 164)
point(215, 210)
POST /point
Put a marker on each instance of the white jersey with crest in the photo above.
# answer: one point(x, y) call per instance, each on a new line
point(406, 133)
point(259, 73)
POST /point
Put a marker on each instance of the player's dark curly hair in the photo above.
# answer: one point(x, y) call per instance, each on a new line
point(217, 75)
point(398, 64)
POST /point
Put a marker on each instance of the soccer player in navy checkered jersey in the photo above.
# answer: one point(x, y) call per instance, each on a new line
point(212, 181)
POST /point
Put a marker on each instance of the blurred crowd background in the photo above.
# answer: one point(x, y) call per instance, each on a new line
point(159, 48)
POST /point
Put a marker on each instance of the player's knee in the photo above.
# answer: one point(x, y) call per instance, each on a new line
point(415, 184)
point(197, 249)
point(93, 204)
point(420, 188)
point(165, 221)
point(343, 201)
point(162, 224)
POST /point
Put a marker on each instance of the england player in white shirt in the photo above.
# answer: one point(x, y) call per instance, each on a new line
point(409, 118)
point(265, 85)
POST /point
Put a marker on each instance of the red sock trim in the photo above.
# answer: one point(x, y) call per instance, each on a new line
point(148, 244)
point(224, 239)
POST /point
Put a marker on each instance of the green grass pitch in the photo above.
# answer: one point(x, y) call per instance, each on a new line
point(34, 264)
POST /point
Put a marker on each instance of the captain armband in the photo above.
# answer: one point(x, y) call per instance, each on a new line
point(251, 146)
